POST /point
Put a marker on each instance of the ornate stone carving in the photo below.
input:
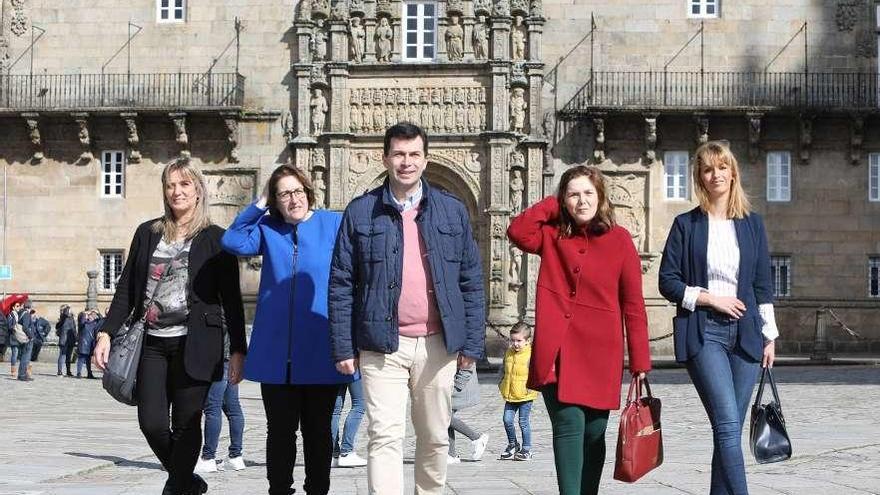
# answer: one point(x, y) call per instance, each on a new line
point(501, 8)
point(454, 39)
point(847, 15)
point(519, 7)
point(357, 8)
point(316, 159)
point(228, 192)
point(518, 39)
point(364, 166)
point(32, 122)
point(384, 37)
point(480, 39)
point(131, 133)
point(18, 24)
point(473, 162)
point(320, 9)
point(384, 8)
point(440, 110)
point(702, 122)
point(537, 8)
point(85, 140)
point(518, 107)
point(304, 10)
point(317, 77)
point(231, 124)
point(340, 11)
point(288, 126)
point(856, 137)
point(518, 75)
point(754, 120)
point(650, 139)
point(320, 188)
point(319, 108)
point(626, 195)
point(517, 186)
point(483, 7)
point(866, 44)
point(318, 43)
point(514, 279)
point(805, 138)
point(181, 137)
point(454, 7)
point(598, 139)
point(357, 40)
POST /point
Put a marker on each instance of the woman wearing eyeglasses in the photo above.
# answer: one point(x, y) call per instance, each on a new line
point(289, 352)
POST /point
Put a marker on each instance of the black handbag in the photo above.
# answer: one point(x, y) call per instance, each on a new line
point(768, 438)
point(120, 375)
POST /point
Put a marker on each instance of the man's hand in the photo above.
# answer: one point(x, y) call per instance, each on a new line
point(465, 362)
point(236, 368)
point(102, 351)
point(347, 366)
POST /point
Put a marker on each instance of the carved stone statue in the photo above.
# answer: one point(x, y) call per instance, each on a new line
point(367, 118)
point(454, 39)
point(473, 161)
point(384, 35)
point(319, 107)
point(319, 41)
point(515, 266)
point(320, 188)
point(288, 125)
point(355, 120)
point(518, 38)
point(358, 40)
point(340, 11)
point(473, 117)
point(517, 186)
point(502, 8)
point(518, 110)
point(537, 8)
point(480, 39)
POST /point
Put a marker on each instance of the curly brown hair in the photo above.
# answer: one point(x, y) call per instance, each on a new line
point(604, 219)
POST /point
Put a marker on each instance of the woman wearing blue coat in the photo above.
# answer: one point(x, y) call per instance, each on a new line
point(716, 269)
point(289, 352)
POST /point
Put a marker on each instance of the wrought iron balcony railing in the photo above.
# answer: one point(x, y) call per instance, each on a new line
point(48, 92)
point(659, 90)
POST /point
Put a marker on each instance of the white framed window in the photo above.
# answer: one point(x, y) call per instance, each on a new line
point(113, 174)
point(675, 175)
point(111, 268)
point(780, 273)
point(874, 276)
point(779, 176)
point(170, 10)
point(874, 177)
point(703, 8)
point(419, 31)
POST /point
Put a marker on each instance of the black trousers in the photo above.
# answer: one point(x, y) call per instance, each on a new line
point(309, 408)
point(163, 384)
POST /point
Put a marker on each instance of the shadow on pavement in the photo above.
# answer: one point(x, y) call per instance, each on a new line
point(119, 461)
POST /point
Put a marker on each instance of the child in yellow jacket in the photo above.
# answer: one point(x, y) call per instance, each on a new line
point(517, 398)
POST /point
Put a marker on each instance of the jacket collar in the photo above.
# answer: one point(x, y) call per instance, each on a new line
point(389, 201)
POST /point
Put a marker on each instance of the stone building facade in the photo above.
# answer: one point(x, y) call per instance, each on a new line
point(512, 92)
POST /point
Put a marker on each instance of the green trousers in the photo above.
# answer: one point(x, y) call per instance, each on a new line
point(578, 444)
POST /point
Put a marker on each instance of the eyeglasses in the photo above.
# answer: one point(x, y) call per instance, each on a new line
point(300, 193)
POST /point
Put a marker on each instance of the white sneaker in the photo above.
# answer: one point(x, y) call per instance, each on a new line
point(350, 459)
point(480, 446)
point(452, 460)
point(206, 466)
point(236, 463)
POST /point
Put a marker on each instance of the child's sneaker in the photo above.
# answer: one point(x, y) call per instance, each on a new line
point(523, 455)
point(452, 459)
point(509, 452)
point(350, 459)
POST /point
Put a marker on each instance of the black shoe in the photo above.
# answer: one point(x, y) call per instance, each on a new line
point(69, 374)
point(167, 489)
point(92, 377)
point(199, 485)
point(25, 379)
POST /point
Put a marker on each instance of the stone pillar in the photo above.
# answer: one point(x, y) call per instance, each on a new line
point(337, 173)
point(397, 40)
point(442, 23)
point(303, 37)
point(498, 211)
point(500, 38)
point(338, 40)
point(92, 290)
point(535, 74)
point(535, 28)
point(468, 26)
point(534, 193)
point(370, 28)
point(302, 72)
point(339, 115)
point(500, 119)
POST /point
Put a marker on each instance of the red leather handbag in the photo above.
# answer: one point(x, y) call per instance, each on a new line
point(639, 439)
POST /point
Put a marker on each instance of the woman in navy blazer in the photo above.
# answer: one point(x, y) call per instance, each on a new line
point(716, 269)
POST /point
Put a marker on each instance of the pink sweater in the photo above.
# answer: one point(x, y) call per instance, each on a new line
point(417, 309)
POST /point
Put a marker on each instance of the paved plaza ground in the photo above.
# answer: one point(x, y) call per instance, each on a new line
point(62, 436)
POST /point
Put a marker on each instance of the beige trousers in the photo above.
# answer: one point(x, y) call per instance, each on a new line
point(422, 369)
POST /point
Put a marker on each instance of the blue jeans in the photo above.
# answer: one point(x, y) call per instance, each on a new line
point(24, 358)
point(524, 409)
point(724, 377)
point(352, 421)
point(223, 396)
point(83, 360)
point(13, 357)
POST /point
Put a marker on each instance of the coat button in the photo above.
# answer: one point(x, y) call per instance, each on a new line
point(577, 269)
point(391, 285)
point(572, 293)
point(388, 318)
point(582, 250)
point(568, 315)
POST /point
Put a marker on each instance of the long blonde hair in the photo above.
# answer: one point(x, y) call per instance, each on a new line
point(710, 153)
point(167, 226)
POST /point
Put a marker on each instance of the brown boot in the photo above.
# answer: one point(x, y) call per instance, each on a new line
point(30, 371)
point(13, 371)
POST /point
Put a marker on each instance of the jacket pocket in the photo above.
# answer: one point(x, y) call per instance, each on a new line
point(370, 242)
point(450, 241)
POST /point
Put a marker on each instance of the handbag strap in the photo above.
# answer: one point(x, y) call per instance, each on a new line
point(636, 384)
point(767, 373)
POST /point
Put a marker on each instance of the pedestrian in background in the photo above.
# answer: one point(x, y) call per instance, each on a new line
point(465, 394)
point(65, 329)
point(716, 269)
point(517, 397)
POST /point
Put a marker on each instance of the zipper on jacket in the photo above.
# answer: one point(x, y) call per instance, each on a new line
point(292, 305)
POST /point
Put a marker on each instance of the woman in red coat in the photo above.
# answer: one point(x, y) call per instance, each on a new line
point(589, 289)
